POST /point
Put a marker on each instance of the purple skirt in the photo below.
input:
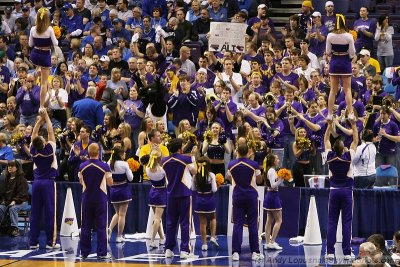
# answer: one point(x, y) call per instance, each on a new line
point(272, 201)
point(340, 65)
point(204, 203)
point(120, 193)
point(158, 197)
point(41, 58)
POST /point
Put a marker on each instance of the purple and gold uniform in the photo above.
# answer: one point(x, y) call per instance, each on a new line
point(341, 46)
point(43, 193)
point(272, 200)
point(244, 202)
point(340, 199)
point(205, 200)
point(158, 190)
point(177, 171)
point(93, 174)
point(121, 191)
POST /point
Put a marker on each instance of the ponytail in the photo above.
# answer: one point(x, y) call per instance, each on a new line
point(115, 155)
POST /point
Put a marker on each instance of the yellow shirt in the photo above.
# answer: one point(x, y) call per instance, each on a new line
point(375, 63)
point(145, 150)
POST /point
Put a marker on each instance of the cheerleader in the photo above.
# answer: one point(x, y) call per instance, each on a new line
point(205, 184)
point(124, 133)
point(185, 133)
point(340, 45)
point(341, 195)
point(302, 152)
point(272, 203)
point(215, 147)
point(42, 38)
point(120, 191)
point(260, 148)
point(157, 195)
point(107, 134)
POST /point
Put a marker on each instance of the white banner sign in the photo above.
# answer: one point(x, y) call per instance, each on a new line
point(227, 37)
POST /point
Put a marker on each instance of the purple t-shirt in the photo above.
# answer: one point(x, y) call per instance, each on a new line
point(363, 40)
point(387, 146)
point(317, 47)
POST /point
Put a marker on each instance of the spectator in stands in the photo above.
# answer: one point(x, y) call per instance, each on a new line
point(117, 61)
point(316, 34)
point(187, 65)
point(329, 20)
point(16, 195)
point(183, 31)
point(89, 110)
point(368, 69)
point(98, 46)
point(383, 36)
point(28, 100)
point(294, 29)
point(135, 20)
point(386, 133)
point(261, 12)
point(104, 11)
point(118, 32)
point(305, 15)
point(194, 11)
point(82, 11)
point(9, 18)
point(304, 45)
point(73, 23)
point(95, 31)
point(217, 12)
point(232, 7)
point(157, 19)
point(17, 12)
point(201, 27)
point(262, 31)
point(233, 80)
point(123, 12)
point(365, 28)
point(149, 5)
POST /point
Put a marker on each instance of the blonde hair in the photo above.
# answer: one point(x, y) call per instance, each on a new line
point(181, 126)
point(156, 155)
point(42, 20)
point(57, 77)
point(297, 132)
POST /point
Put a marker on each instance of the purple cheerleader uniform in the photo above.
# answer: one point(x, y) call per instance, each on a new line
point(42, 43)
point(121, 191)
point(205, 200)
point(158, 190)
point(272, 200)
point(341, 47)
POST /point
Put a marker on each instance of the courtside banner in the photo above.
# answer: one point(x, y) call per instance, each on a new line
point(226, 36)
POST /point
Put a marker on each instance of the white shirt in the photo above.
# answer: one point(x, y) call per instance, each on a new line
point(237, 78)
point(53, 104)
point(313, 61)
point(364, 161)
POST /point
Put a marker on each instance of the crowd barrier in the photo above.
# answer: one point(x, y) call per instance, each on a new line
point(375, 211)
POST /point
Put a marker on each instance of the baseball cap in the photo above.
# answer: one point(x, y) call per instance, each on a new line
point(104, 58)
point(245, 11)
point(261, 6)
point(18, 1)
point(67, 6)
point(171, 68)
point(307, 4)
point(329, 3)
point(365, 52)
point(115, 21)
point(316, 14)
point(203, 70)
point(8, 9)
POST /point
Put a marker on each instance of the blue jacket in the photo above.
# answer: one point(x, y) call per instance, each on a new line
point(73, 24)
point(89, 111)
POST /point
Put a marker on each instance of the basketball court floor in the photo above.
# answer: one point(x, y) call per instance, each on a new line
point(136, 252)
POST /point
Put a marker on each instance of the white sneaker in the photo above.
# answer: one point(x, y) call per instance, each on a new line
point(267, 246)
point(169, 253)
point(213, 241)
point(56, 246)
point(34, 246)
point(235, 256)
point(204, 247)
point(162, 241)
point(349, 257)
point(108, 256)
point(153, 244)
point(119, 239)
point(185, 255)
point(329, 257)
point(275, 246)
point(257, 256)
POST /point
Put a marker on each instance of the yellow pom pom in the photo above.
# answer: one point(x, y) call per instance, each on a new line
point(219, 178)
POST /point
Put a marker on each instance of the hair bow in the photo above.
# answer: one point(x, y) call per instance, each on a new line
point(338, 17)
point(42, 11)
point(200, 168)
point(151, 161)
